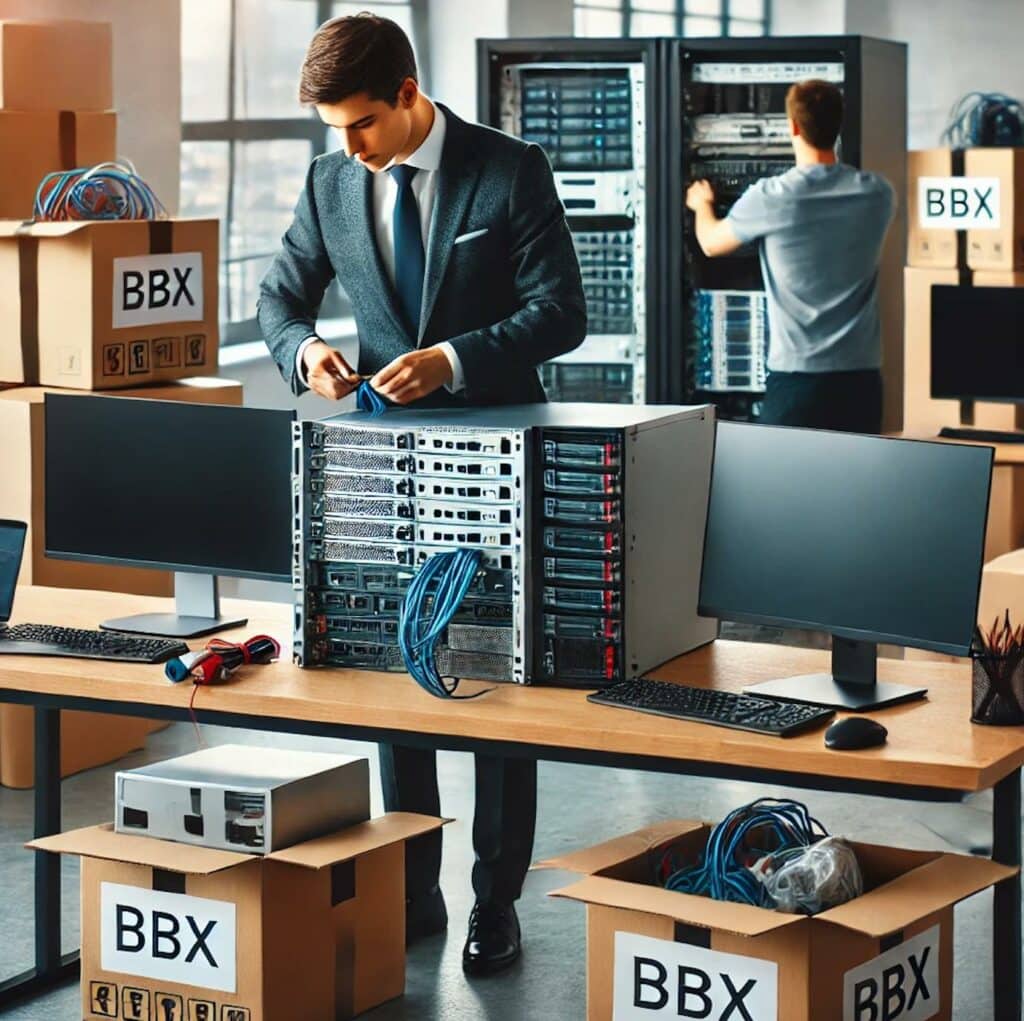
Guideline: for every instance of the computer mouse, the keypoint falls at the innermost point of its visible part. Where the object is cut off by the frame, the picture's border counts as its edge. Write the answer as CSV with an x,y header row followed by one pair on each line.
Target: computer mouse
x,y
855,732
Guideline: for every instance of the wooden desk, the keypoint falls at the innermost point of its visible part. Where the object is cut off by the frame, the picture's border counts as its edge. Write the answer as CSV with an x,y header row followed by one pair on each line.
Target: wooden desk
x,y
933,753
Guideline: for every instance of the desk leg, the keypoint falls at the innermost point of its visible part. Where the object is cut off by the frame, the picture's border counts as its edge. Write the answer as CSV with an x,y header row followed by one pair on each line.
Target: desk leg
x,y
47,822
1006,914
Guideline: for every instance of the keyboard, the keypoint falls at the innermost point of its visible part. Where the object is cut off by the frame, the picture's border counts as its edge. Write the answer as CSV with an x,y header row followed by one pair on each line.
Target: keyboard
x,y
980,435
722,708
48,640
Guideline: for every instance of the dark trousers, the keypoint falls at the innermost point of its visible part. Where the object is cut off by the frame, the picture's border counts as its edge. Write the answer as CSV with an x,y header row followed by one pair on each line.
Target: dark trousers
x,y
503,821
846,401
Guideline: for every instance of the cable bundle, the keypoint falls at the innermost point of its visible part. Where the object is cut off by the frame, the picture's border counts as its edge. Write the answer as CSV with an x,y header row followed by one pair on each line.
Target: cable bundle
x,y
985,119
368,400
106,191
220,659
432,600
724,871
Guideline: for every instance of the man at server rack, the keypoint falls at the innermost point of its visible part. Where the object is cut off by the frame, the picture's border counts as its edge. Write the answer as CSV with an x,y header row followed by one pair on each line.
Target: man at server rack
x,y
451,242
820,226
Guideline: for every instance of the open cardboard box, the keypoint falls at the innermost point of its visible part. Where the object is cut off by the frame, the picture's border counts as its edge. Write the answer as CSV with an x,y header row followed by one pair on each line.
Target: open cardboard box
x,y
654,953
315,931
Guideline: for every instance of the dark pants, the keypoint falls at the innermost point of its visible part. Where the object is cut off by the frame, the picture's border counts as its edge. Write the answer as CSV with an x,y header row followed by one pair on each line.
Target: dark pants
x,y
846,401
503,822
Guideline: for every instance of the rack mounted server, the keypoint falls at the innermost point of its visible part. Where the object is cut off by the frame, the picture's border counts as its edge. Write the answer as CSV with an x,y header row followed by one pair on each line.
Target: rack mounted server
x,y
589,519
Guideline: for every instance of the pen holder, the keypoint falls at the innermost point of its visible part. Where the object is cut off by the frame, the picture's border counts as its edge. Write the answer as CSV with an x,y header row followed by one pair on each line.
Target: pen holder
x,y
997,690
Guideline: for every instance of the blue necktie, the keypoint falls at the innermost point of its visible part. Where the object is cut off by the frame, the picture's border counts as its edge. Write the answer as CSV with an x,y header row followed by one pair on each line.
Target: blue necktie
x,y
409,258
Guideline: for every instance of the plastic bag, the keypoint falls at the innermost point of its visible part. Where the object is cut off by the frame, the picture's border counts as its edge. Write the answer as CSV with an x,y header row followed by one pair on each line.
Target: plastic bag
x,y
814,878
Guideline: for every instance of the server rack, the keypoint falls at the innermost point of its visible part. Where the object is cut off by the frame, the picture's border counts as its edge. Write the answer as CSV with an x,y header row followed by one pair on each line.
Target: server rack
x,y
593,106
715,109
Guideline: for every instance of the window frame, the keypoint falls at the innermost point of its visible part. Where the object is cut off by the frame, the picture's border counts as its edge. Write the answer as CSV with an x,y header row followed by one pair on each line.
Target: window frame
x,y
626,10
302,127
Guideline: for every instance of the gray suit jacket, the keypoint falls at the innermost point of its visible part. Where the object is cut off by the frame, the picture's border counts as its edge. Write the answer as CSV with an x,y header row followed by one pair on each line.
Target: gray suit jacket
x,y
507,299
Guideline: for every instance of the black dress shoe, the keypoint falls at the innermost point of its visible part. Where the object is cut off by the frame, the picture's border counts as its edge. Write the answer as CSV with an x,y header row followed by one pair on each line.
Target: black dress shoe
x,y
425,916
494,939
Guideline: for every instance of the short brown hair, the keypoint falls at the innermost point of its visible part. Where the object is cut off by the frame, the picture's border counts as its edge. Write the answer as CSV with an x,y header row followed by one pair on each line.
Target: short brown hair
x,y
817,108
358,53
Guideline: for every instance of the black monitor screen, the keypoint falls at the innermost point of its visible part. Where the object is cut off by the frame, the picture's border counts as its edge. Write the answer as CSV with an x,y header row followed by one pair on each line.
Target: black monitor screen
x,y
170,484
865,537
978,343
12,544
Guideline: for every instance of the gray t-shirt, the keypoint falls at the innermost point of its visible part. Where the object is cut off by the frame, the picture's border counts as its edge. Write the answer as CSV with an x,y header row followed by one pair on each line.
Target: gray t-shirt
x,y
821,229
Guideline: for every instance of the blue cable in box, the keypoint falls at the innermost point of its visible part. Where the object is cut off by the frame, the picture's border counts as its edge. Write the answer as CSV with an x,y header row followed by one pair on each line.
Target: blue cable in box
x,y
243,798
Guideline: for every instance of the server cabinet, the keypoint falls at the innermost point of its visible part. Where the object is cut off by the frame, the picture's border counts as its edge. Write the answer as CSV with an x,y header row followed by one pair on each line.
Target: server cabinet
x,y
592,106
714,109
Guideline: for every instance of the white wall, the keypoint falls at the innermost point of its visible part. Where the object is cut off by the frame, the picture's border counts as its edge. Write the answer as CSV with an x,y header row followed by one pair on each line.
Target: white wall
x,y
954,47
147,79
808,17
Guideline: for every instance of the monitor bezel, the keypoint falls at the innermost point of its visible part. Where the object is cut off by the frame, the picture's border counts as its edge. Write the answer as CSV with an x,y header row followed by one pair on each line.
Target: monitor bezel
x,y
705,609
226,571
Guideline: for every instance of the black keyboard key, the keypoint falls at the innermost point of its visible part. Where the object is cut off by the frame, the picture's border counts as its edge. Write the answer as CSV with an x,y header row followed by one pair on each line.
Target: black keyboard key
x,y
706,705
51,640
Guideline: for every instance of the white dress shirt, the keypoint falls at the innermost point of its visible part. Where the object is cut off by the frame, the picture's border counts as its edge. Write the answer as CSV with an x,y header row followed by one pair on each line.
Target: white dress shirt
x,y
427,160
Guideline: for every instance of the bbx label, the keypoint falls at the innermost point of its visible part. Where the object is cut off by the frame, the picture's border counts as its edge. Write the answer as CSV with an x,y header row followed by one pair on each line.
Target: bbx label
x,y
158,289
958,203
900,985
659,979
170,937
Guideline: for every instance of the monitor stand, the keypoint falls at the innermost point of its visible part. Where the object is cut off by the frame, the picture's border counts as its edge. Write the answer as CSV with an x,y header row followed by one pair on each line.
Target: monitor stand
x,y
852,684
197,611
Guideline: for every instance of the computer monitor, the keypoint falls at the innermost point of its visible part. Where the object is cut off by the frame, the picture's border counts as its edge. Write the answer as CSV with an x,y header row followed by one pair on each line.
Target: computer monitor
x,y
978,343
197,489
868,538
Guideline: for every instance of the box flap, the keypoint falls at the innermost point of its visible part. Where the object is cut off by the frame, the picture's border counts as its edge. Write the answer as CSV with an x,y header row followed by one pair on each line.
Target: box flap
x,y
353,841
8,228
741,919
103,842
904,900
589,860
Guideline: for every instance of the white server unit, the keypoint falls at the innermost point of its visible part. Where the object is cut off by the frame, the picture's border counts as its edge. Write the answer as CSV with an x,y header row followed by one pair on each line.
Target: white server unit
x,y
243,798
589,518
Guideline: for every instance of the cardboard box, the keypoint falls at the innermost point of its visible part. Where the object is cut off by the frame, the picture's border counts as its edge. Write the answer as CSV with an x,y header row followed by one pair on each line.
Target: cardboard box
x,y
1001,247
77,56
644,942
86,740
1002,589
116,303
315,932
37,143
928,246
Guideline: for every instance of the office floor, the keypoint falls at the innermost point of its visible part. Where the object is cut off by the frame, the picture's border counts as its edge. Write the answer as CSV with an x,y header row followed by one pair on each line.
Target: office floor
x,y
579,805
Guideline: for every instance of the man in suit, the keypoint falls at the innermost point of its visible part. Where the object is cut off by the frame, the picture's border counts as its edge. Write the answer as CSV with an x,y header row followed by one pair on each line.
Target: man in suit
x,y
452,245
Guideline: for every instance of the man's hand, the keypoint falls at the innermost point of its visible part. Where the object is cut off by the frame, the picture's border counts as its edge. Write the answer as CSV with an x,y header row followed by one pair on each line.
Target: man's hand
x,y
699,194
414,375
327,373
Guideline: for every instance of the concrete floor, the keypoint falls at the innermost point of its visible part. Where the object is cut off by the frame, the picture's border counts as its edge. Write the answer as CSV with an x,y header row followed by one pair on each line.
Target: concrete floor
x,y
579,805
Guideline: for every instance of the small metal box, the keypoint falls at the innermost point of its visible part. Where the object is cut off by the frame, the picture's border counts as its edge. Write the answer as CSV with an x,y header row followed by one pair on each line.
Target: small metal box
x,y
243,797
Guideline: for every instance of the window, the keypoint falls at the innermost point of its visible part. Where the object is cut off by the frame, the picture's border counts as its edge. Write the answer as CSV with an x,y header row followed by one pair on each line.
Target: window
x,y
672,17
246,141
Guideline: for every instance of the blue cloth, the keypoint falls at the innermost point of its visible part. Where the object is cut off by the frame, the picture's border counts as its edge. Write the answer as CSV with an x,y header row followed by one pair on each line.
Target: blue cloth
x,y
410,260
820,230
